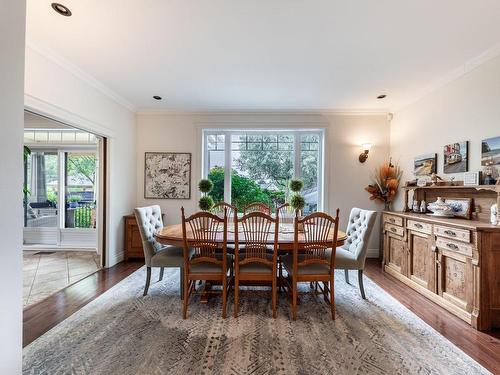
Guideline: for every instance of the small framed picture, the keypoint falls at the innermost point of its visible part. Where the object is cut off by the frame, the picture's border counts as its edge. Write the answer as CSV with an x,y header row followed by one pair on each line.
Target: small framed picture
x,y
472,178
455,156
462,207
425,165
490,151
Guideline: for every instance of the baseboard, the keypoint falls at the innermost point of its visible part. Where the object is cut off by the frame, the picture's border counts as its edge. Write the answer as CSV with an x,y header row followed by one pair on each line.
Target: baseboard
x,y
57,248
372,253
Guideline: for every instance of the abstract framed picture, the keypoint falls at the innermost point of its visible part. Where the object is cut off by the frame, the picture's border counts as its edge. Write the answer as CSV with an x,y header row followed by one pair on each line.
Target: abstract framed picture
x,y
167,175
425,165
490,151
456,157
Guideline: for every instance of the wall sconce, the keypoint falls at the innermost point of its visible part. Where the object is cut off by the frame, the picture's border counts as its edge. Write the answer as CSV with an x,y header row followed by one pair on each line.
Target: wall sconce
x,y
366,149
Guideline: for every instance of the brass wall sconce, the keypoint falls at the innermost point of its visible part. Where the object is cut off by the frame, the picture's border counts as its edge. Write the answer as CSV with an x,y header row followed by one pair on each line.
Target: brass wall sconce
x,y
366,149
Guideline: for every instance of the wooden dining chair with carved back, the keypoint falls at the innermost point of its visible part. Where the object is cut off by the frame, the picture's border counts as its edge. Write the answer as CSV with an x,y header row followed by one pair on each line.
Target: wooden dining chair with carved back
x,y
313,257
255,233
286,213
219,208
257,207
205,254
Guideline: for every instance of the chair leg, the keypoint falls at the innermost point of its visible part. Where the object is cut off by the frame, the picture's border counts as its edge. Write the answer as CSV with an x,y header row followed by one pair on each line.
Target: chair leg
x,y
346,276
161,273
224,297
186,295
360,281
148,280
181,282
236,296
332,296
294,300
274,297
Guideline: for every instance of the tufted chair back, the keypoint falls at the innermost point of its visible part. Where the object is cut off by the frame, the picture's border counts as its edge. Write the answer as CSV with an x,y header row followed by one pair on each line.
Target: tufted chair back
x,y
150,222
360,226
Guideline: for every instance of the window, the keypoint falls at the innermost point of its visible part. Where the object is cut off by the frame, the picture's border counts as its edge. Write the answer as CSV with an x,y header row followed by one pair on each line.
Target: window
x,y
248,166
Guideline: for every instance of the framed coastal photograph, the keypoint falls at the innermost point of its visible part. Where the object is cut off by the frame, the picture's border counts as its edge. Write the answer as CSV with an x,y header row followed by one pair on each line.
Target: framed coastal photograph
x,y
462,207
167,175
490,151
425,165
456,157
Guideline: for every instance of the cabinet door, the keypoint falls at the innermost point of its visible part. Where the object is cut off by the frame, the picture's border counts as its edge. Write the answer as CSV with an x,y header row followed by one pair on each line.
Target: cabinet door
x,y
421,260
455,279
396,253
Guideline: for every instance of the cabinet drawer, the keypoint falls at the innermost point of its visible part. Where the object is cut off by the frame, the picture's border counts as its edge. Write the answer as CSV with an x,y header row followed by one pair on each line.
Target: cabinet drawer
x,y
455,234
450,245
394,229
393,220
419,226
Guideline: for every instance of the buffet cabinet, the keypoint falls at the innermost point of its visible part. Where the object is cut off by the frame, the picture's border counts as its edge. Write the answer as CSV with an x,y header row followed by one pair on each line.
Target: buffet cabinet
x,y
453,262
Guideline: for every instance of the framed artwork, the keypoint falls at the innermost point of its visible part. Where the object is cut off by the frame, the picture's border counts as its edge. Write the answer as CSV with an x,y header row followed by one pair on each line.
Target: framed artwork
x,y
472,178
490,151
167,175
456,157
462,207
425,165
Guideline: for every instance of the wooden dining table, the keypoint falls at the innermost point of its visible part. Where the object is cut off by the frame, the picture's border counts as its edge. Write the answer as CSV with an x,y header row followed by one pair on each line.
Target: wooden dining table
x,y
172,235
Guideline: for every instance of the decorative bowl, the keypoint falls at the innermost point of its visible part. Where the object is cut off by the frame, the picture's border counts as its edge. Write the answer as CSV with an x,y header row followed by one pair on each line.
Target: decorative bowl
x,y
441,208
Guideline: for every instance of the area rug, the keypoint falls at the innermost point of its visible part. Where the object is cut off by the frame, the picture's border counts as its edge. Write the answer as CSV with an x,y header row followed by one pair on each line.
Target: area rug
x,y
122,332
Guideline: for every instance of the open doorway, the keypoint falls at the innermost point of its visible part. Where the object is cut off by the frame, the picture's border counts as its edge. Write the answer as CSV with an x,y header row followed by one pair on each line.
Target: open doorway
x,y
62,206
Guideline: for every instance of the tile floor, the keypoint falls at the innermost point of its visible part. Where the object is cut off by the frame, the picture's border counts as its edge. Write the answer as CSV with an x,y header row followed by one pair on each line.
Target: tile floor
x,y
45,273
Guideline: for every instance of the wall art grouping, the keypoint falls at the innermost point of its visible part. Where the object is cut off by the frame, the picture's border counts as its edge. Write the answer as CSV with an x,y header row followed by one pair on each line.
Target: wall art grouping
x,y
167,175
425,165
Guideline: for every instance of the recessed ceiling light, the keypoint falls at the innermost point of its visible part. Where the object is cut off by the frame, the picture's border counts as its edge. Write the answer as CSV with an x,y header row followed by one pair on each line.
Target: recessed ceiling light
x,y
381,96
61,9
157,97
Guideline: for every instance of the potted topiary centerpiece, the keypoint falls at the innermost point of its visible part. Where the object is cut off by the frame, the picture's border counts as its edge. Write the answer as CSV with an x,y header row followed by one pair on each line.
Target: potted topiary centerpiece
x,y
297,201
206,202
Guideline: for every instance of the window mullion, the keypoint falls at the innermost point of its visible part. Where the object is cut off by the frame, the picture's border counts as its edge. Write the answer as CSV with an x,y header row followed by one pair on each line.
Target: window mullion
x,y
296,153
227,167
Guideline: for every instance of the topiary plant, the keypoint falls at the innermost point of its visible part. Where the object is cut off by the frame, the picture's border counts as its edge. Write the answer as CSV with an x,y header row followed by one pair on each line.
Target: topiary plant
x,y
296,185
206,203
297,202
205,186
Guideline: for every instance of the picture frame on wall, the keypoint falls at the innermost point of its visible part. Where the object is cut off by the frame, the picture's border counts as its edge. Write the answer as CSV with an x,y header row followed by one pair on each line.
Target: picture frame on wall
x,y
456,157
490,151
167,175
425,165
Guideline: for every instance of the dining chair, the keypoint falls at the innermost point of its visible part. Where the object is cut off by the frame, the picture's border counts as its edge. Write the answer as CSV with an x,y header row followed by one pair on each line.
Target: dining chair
x,y
257,207
150,222
253,261
204,234
352,254
286,213
219,208
314,263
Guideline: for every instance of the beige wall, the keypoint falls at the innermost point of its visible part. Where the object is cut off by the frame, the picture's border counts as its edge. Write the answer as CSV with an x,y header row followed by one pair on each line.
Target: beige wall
x,y
12,25
53,89
345,177
467,109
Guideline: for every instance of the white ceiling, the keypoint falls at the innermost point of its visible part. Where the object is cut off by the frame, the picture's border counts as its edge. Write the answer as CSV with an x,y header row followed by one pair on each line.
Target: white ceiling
x,y
268,54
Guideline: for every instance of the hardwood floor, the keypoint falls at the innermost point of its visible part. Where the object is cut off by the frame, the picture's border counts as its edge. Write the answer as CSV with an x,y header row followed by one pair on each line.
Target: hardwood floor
x,y
42,316
484,347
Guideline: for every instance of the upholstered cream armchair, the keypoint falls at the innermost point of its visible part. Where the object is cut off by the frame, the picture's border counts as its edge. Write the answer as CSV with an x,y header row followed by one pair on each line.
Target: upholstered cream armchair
x,y
155,254
352,255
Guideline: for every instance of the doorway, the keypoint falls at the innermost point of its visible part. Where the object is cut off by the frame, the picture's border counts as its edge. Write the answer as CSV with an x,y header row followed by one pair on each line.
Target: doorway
x,y
63,205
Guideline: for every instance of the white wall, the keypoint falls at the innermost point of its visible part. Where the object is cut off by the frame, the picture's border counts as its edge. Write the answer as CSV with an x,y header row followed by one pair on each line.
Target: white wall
x,y
467,109
12,25
52,88
345,176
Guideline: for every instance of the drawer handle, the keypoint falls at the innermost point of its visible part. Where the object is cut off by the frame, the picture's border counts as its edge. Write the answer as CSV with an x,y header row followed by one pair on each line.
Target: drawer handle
x,y
450,233
452,246
418,225
393,229
392,220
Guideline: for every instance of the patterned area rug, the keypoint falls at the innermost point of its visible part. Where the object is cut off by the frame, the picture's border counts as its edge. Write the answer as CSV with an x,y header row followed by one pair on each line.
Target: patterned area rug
x,y
122,332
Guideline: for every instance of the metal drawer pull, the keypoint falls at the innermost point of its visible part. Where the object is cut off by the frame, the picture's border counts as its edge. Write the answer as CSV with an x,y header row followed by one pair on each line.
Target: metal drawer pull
x,y
392,220
393,229
418,225
450,233
452,246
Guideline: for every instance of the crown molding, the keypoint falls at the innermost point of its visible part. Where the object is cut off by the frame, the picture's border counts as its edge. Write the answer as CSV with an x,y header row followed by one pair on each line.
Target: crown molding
x,y
262,111
80,74
453,75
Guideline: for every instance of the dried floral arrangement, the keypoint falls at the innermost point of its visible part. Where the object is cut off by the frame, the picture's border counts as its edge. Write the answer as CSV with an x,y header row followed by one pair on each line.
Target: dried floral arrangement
x,y
385,183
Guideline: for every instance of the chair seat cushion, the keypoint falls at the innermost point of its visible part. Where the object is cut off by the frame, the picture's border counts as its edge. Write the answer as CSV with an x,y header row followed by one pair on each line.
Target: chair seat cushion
x,y
310,269
207,267
255,267
170,256
344,259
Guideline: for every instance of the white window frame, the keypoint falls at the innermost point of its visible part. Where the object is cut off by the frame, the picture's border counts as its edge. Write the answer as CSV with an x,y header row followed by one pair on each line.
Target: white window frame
x,y
296,133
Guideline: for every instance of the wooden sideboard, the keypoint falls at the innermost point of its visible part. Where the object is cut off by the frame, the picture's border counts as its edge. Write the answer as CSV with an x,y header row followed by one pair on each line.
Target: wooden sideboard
x,y
453,262
133,241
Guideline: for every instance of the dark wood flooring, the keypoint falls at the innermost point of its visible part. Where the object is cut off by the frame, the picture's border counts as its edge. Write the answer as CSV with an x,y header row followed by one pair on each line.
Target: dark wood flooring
x,y
484,347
